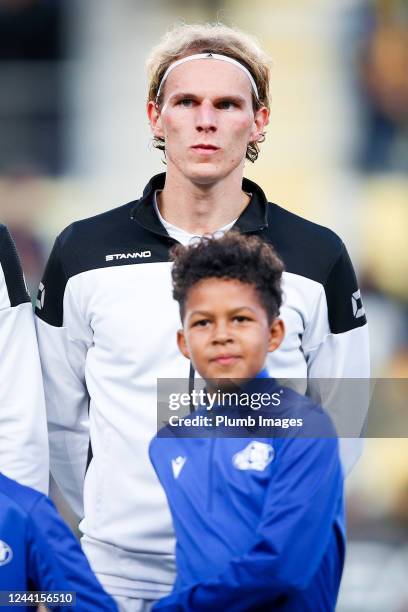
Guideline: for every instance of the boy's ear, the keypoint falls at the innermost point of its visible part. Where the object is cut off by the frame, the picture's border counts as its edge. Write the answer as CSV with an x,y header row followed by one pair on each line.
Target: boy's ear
x,y
276,334
182,344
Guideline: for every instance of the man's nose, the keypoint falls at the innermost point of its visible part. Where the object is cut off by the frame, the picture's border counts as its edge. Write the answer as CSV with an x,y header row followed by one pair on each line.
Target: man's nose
x,y
206,118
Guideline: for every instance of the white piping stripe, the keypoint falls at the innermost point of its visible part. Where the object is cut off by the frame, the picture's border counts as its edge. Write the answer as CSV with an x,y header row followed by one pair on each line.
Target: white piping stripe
x,y
215,56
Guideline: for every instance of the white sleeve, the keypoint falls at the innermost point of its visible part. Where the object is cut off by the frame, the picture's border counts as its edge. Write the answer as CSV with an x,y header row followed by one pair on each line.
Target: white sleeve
x,y
337,353
23,430
63,340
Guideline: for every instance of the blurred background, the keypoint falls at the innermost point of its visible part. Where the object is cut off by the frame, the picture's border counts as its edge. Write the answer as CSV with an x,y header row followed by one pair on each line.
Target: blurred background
x,y
75,141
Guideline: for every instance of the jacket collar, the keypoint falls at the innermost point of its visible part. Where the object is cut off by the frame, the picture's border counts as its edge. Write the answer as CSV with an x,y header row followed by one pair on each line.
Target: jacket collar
x,y
252,219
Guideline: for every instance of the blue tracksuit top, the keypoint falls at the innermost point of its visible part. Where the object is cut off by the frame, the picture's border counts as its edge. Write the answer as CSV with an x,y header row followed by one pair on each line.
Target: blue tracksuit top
x,y
39,552
259,521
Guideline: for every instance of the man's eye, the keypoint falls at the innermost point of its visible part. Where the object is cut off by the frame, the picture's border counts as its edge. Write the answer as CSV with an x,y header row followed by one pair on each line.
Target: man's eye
x,y
186,102
226,105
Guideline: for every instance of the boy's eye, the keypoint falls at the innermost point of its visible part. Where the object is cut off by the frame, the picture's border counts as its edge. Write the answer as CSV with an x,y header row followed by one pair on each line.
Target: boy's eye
x,y
201,323
241,318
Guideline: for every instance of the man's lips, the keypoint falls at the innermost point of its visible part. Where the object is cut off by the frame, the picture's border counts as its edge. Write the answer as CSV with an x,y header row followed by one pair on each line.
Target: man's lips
x,y
205,148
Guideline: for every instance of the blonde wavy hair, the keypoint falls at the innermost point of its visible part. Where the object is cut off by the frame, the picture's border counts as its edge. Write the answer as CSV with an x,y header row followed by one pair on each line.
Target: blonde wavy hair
x,y
188,39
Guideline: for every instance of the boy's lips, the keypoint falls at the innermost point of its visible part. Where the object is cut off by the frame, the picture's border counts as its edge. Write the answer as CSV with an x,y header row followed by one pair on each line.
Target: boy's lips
x,y
225,359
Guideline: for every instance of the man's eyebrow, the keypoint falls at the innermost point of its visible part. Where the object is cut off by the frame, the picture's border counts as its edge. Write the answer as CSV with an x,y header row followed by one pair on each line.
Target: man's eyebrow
x,y
181,94
237,99
231,98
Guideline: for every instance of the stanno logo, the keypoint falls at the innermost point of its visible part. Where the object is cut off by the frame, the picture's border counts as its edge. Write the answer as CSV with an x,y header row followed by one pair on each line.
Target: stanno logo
x,y
6,554
137,255
177,465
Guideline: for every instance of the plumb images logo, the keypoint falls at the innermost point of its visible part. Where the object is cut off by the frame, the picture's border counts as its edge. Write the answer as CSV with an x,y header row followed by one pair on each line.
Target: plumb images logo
x,y
358,308
6,554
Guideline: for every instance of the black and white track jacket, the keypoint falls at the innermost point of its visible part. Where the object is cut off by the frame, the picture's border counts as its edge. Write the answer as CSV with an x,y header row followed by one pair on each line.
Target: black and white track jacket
x,y
23,429
107,326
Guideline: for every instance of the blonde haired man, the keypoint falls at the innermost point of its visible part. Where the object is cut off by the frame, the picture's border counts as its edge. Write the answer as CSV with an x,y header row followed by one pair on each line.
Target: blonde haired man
x,y
107,323
219,39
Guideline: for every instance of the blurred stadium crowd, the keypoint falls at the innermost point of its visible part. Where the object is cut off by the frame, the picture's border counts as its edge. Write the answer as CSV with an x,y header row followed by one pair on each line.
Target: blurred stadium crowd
x,y
75,141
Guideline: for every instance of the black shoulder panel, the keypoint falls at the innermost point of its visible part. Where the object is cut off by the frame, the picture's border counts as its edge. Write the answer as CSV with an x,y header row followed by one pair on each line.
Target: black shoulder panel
x,y
306,248
110,239
316,252
49,304
13,273
343,296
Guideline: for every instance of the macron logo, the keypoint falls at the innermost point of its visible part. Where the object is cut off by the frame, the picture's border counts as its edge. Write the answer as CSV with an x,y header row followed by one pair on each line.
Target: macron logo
x,y
177,465
137,255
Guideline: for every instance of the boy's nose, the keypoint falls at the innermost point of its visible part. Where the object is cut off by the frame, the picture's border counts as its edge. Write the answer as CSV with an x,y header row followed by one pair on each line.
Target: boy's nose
x,y
221,334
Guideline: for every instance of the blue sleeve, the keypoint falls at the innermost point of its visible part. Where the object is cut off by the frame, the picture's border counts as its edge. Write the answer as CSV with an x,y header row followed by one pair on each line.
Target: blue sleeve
x,y
299,512
56,561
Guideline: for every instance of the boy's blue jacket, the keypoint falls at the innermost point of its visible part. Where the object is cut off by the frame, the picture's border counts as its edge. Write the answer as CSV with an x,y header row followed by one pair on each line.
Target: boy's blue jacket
x,y
259,520
38,552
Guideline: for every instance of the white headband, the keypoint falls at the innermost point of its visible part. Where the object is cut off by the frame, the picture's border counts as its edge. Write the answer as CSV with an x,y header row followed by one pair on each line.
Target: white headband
x,y
209,55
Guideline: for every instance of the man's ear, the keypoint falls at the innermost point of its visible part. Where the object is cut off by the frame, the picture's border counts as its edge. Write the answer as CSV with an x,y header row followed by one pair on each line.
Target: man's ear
x,y
153,113
182,344
261,120
276,334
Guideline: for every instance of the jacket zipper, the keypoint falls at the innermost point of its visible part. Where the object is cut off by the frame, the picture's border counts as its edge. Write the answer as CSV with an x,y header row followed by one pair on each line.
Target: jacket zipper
x,y
210,494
